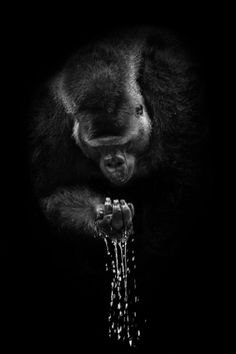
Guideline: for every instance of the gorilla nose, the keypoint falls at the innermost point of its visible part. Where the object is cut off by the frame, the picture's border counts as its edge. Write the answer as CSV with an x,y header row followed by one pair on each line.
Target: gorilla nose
x,y
114,162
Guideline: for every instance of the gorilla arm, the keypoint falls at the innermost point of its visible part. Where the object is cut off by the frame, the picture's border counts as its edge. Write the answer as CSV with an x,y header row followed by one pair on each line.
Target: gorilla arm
x,y
73,209
81,209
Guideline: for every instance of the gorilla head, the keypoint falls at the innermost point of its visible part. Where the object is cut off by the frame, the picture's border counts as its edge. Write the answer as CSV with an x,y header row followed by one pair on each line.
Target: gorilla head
x,y
111,123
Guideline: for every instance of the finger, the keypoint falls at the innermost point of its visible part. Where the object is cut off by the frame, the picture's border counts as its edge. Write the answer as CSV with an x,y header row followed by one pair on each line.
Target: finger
x,y
117,220
127,214
131,206
108,206
99,211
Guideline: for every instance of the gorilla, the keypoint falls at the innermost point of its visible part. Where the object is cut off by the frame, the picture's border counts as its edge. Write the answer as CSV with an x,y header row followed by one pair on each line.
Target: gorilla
x,y
118,145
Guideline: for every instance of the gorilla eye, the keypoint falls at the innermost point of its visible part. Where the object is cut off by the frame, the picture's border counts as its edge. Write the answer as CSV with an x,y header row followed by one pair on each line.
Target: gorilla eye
x,y
139,110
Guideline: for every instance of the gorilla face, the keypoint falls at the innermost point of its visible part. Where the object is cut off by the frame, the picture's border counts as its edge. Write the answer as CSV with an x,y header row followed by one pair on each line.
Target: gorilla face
x,y
114,137
111,123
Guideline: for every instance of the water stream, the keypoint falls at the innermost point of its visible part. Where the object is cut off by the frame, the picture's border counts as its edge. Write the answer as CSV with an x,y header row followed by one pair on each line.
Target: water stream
x,y
122,319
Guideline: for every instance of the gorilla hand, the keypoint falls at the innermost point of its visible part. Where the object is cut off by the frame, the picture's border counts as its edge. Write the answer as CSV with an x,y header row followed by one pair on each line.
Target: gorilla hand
x,y
114,219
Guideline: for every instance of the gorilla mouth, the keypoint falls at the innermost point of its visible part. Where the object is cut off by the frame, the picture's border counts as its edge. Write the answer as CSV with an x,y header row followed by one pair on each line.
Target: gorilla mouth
x,y
119,179
117,167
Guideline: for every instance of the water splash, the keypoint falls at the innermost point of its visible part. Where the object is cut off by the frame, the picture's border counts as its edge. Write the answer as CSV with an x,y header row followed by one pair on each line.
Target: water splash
x,y
122,318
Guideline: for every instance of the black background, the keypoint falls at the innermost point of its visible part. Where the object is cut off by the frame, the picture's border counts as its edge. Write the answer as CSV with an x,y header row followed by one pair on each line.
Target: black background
x,y
37,40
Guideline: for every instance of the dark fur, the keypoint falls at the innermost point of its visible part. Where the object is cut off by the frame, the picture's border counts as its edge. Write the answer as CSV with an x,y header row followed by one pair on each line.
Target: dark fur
x,y
64,177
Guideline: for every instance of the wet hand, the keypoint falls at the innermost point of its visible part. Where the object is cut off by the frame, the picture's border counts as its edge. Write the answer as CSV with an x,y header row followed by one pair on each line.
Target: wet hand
x,y
114,218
